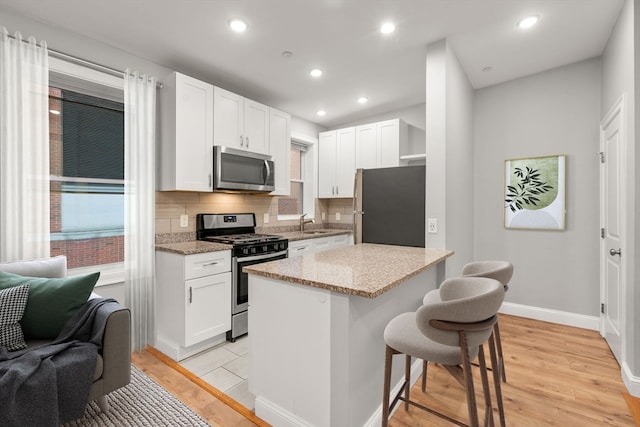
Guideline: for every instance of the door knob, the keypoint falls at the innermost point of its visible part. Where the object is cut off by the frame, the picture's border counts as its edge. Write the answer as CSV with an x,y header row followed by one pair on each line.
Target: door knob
x,y
613,252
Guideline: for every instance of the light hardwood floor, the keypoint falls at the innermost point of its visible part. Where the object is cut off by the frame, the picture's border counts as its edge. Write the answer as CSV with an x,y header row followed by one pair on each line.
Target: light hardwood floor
x,y
557,376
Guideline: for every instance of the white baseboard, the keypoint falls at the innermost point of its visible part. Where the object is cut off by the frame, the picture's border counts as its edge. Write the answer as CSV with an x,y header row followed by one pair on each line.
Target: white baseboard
x,y
276,415
630,381
553,316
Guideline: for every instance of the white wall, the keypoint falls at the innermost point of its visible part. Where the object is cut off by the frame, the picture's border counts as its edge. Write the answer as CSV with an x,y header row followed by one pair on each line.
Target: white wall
x,y
449,138
554,112
619,68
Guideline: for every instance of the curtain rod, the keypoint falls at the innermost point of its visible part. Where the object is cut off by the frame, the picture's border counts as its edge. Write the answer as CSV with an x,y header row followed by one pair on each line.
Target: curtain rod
x,y
93,65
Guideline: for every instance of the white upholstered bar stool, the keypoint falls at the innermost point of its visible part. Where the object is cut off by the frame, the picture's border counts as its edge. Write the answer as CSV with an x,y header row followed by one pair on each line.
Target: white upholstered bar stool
x,y
502,271
450,332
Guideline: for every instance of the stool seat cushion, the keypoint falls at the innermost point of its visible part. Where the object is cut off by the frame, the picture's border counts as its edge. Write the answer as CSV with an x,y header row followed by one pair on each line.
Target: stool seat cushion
x,y
402,334
432,297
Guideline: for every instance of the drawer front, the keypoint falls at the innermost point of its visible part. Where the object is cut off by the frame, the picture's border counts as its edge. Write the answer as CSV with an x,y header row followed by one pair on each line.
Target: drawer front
x,y
200,265
300,247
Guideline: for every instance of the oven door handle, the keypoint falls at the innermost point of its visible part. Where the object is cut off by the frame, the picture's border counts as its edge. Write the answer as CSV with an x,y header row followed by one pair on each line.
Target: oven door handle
x,y
259,257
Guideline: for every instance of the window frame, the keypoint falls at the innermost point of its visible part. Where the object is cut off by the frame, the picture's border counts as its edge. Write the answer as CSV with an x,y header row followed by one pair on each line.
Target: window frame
x,y
309,189
114,88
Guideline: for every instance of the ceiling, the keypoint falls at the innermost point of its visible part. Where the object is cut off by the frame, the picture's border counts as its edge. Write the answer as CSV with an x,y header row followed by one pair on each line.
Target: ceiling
x,y
342,38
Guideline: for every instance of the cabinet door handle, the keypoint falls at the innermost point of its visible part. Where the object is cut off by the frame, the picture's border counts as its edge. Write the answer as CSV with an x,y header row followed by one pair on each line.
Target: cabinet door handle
x,y
241,141
337,190
190,294
210,264
209,180
247,141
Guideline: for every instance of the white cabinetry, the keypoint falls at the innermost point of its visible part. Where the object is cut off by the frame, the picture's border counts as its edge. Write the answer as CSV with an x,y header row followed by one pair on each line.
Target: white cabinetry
x,y
240,122
186,148
378,144
280,150
319,244
193,301
336,163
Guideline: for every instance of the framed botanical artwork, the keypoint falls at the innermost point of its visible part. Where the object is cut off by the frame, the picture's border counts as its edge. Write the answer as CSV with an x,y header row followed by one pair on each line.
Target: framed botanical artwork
x,y
535,193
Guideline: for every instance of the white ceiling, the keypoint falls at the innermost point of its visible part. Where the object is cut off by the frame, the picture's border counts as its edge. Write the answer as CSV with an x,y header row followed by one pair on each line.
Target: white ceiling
x,y
339,36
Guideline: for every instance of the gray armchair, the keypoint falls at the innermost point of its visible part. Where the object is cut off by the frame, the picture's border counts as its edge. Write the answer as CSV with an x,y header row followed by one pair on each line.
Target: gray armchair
x,y
113,368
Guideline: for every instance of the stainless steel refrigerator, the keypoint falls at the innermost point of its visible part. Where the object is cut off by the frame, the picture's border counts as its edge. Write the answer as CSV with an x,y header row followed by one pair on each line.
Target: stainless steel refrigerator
x,y
389,206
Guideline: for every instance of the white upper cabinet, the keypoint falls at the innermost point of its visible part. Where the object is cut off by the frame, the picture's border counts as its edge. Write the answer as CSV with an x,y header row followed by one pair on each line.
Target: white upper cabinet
x,y
240,122
366,147
280,150
336,163
186,144
378,144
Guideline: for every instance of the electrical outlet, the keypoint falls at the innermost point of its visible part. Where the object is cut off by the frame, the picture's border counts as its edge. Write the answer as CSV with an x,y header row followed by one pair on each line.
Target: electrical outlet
x,y
337,216
265,218
184,221
432,225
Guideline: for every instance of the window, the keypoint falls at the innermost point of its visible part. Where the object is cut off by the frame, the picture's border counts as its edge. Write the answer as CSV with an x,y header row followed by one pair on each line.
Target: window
x,y
87,172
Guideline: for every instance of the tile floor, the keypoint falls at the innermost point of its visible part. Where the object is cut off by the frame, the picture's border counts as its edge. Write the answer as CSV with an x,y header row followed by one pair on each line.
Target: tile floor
x,y
226,367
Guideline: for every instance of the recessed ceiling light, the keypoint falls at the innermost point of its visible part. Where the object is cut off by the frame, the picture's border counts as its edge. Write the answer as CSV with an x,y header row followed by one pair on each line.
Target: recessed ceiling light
x,y
238,25
321,113
363,100
56,112
316,72
287,54
529,21
387,28
487,69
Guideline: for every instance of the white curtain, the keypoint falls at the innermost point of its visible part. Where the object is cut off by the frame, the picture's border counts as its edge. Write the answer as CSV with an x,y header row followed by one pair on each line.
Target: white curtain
x,y
24,148
139,176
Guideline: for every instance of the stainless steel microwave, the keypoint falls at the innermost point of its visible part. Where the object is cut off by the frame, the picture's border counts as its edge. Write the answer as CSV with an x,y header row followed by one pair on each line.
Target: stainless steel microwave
x,y
237,170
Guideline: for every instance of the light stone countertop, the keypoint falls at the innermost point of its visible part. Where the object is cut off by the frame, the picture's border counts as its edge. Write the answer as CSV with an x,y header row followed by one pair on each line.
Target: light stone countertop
x,y
366,270
192,247
198,247
311,234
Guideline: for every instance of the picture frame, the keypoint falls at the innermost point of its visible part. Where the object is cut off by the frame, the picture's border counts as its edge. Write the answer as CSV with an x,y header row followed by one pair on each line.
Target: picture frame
x,y
534,193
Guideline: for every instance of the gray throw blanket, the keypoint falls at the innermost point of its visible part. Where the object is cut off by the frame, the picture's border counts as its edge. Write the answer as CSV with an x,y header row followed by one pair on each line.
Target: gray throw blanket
x,y
49,385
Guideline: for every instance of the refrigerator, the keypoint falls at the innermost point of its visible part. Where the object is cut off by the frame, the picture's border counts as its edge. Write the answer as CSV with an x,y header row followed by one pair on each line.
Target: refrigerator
x,y
389,206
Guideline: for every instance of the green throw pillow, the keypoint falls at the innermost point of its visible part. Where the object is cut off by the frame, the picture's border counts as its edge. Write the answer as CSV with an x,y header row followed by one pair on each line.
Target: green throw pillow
x,y
51,301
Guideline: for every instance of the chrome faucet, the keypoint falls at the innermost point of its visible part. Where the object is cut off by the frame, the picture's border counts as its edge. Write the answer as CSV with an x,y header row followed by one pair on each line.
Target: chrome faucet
x,y
304,221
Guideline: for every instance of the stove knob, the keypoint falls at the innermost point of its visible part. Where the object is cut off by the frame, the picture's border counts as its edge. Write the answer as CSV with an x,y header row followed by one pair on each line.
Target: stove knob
x,y
245,251
265,248
253,250
281,245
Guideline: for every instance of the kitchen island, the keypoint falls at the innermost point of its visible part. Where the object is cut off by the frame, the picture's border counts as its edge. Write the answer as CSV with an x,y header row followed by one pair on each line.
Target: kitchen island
x,y
316,347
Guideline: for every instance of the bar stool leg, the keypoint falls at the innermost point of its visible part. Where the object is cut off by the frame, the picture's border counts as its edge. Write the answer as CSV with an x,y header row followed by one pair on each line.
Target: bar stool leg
x,y
425,364
488,409
496,379
407,381
496,331
388,355
468,380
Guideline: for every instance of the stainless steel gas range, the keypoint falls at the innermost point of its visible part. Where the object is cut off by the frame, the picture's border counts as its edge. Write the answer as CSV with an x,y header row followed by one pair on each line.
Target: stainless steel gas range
x,y
249,248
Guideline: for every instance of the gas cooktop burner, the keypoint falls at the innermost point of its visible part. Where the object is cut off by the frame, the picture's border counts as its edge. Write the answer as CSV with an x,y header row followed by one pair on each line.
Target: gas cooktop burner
x,y
243,238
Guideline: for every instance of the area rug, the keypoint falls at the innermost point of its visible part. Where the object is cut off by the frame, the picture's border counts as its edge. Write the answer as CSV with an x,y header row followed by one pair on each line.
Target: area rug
x,y
141,403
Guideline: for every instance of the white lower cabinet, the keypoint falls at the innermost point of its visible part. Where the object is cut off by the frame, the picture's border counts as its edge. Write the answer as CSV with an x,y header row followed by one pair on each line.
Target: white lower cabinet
x,y
318,244
193,301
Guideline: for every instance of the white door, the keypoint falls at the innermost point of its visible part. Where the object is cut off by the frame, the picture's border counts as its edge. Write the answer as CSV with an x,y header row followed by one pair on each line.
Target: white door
x,y
388,136
327,164
612,146
207,307
194,134
256,127
228,119
345,161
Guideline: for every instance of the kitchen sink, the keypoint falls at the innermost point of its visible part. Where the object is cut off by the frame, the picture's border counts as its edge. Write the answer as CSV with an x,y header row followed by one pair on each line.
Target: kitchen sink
x,y
315,232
